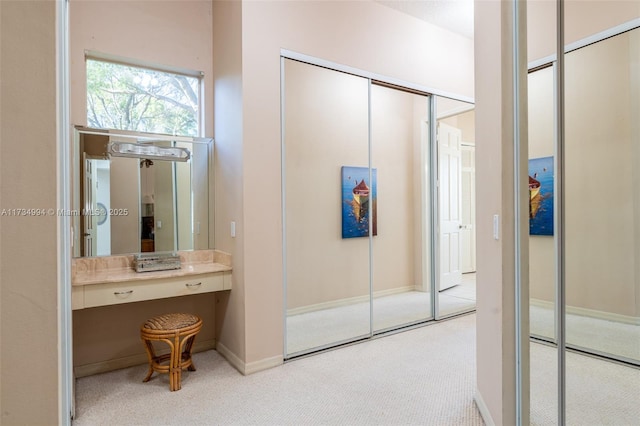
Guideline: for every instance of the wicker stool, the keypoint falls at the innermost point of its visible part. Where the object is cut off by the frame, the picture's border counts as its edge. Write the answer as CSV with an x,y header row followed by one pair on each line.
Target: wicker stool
x,y
179,331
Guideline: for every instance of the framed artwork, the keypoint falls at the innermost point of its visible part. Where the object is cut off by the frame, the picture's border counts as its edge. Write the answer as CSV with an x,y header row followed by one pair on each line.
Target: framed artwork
x,y
358,194
541,196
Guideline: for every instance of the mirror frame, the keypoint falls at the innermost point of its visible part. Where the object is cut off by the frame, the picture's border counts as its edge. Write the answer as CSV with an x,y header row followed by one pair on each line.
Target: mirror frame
x,y
204,226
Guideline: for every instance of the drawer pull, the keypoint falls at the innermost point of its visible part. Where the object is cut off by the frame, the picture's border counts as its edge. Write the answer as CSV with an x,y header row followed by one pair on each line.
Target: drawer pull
x,y
122,293
193,285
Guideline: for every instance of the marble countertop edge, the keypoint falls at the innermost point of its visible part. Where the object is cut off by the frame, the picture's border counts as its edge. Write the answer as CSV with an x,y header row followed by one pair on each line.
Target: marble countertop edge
x,y
128,274
120,268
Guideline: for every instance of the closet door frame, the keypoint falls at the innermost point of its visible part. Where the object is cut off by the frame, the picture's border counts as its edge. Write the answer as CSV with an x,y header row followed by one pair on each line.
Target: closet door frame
x,y
431,204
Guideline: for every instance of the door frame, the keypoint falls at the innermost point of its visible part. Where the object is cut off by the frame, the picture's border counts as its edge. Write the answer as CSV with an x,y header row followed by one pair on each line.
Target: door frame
x,y
66,388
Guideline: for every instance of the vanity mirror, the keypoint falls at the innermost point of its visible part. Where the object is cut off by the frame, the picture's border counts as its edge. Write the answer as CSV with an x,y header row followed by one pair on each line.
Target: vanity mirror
x,y
139,192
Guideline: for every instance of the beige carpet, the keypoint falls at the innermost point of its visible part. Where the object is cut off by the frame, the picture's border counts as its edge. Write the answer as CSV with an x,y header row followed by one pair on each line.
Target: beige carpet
x,y
599,393
609,337
424,376
343,323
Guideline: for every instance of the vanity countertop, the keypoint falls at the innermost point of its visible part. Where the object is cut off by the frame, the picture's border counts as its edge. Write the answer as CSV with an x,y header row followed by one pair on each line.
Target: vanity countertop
x,y
122,275
116,269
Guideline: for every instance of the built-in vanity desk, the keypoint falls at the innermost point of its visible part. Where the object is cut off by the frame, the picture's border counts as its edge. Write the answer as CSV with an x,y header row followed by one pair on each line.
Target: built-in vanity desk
x,y
111,280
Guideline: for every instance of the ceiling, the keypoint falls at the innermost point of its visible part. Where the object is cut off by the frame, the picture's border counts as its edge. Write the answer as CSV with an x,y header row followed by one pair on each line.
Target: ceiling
x,y
453,15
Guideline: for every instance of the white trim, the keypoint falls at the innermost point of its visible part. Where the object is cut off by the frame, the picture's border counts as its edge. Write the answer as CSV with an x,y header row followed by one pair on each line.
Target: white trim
x,y
590,313
434,209
139,63
484,410
595,38
132,360
263,364
144,137
370,207
246,368
457,111
372,76
231,357
66,397
520,233
283,199
348,301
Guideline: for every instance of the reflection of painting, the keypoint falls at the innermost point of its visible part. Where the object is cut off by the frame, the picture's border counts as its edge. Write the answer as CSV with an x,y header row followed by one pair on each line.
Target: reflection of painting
x,y
357,196
541,196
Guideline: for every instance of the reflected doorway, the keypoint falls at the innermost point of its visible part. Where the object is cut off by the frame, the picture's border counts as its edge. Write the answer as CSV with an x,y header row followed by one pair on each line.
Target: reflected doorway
x,y
457,198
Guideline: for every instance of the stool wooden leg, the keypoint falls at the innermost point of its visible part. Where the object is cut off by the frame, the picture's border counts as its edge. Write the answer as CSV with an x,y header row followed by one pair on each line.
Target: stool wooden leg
x,y
187,352
175,371
149,374
150,354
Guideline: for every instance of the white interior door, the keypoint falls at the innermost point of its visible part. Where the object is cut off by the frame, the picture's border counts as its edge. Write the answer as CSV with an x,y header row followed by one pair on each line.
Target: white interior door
x,y
468,231
449,171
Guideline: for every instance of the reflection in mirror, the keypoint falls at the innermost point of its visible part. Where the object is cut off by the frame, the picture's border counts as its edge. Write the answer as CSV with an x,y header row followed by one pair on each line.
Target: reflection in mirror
x,y
457,205
142,204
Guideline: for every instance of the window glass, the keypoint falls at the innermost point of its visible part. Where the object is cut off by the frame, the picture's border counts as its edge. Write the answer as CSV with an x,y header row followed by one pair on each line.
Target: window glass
x,y
131,98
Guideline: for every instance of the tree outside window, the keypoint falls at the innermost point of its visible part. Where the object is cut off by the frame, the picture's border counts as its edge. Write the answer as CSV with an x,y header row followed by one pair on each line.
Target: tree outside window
x,y
131,98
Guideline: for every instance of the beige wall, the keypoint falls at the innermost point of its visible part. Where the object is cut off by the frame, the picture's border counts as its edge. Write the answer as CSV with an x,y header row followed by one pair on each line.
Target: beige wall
x,y
183,203
582,19
125,229
229,177
326,128
363,35
465,122
164,206
600,165
399,143
600,213
634,70
202,195
173,33
28,245
495,315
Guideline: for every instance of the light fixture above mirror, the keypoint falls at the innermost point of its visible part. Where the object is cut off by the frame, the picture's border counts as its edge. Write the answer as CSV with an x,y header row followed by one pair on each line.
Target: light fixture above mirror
x,y
136,150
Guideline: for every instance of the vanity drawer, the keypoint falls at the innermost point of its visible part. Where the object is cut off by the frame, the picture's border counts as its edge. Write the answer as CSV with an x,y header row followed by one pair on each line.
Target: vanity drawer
x,y
135,291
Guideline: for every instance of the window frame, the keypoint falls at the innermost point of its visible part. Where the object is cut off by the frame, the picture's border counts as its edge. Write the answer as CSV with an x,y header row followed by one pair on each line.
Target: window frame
x,y
146,65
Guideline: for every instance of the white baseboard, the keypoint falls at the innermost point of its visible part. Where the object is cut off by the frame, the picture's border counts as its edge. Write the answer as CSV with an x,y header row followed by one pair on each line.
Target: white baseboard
x,y
251,367
263,364
348,301
484,410
130,361
232,358
590,313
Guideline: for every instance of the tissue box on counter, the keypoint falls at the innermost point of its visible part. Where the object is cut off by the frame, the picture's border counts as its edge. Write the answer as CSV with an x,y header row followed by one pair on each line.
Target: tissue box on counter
x,y
146,262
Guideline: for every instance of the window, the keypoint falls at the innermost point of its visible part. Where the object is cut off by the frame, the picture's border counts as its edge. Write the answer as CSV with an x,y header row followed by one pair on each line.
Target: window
x,y
128,97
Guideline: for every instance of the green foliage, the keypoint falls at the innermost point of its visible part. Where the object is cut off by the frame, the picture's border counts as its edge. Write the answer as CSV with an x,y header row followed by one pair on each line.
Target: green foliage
x,y
129,98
